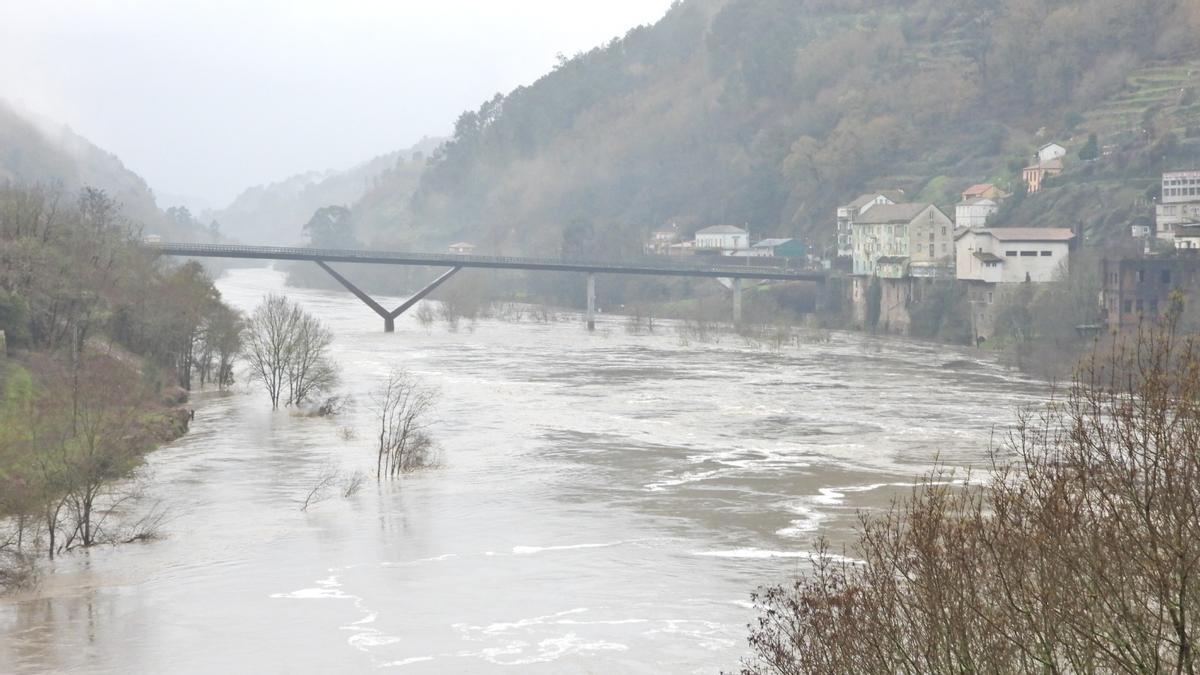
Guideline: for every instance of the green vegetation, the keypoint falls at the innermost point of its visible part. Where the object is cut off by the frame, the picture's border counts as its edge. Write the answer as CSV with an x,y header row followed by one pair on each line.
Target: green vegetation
x,y
771,112
105,340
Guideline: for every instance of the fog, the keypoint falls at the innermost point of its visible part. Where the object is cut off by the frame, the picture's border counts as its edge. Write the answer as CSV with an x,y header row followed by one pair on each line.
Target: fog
x,y
204,98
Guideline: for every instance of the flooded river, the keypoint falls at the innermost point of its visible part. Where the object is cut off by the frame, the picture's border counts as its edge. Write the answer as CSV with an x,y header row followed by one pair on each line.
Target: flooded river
x,y
606,503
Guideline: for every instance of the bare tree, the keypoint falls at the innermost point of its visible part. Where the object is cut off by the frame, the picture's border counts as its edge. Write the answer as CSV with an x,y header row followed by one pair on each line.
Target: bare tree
x,y
310,370
403,406
1080,554
287,350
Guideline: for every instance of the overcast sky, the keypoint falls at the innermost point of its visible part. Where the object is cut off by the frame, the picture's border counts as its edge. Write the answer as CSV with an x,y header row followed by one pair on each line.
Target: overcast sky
x,y
207,97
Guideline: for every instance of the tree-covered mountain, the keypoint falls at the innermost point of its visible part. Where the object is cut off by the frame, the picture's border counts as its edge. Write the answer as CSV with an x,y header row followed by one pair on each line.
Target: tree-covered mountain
x,y
38,152
771,112
276,213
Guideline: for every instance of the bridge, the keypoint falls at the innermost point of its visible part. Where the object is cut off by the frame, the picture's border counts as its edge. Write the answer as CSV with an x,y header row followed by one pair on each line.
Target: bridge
x,y
696,266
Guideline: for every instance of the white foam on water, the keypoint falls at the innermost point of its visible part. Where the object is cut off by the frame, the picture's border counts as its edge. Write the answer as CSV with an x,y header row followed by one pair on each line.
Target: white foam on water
x,y
696,477
530,550
808,522
406,662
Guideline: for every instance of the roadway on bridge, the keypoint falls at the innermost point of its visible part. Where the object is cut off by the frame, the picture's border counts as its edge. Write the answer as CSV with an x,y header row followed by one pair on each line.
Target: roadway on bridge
x,y
693,267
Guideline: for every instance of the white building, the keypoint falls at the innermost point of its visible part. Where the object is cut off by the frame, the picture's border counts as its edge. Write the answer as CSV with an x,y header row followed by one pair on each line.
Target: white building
x,y
1010,255
1050,151
846,215
724,238
462,248
888,238
1180,203
1188,236
974,212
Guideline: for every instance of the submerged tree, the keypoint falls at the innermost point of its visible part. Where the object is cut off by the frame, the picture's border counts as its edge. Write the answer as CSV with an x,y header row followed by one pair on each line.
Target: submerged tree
x,y
1081,554
288,352
403,407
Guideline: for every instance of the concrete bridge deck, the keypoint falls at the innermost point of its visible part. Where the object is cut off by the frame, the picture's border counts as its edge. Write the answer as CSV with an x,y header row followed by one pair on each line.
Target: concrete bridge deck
x,y
690,267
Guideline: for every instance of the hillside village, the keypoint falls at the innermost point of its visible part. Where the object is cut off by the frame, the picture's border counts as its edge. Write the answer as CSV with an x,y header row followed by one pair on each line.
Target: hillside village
x,y
892,252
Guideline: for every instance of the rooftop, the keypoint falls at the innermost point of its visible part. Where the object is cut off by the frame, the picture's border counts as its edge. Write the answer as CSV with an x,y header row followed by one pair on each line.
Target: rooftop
x,y
722,229
771,243
978,189
978,201
1021,233
891,213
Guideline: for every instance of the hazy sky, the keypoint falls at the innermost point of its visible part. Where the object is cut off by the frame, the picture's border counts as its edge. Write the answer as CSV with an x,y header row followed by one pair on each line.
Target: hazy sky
x,y
207,97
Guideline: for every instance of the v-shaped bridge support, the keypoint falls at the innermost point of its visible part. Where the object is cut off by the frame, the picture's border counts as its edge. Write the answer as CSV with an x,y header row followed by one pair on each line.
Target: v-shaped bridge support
x,y
389,317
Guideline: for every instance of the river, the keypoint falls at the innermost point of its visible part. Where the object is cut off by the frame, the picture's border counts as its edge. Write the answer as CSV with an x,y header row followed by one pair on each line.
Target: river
x,y
606,502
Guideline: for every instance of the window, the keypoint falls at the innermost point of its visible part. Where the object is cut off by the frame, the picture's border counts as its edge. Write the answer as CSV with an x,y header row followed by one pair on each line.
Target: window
x,y
1154,306
1166,276
1047,254
943,229
989,297
1010,254
1141,276
1139,305
931,250
1028,254
1128,306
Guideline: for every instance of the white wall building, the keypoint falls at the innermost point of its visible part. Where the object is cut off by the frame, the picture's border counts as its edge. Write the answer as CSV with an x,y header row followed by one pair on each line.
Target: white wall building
x,y
1011,255
724,238
1180,203
1050,151
846,215
974,212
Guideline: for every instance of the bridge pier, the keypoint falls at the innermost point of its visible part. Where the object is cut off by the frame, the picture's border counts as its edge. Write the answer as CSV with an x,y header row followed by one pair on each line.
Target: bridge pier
x,y
737,300
591,301
389,317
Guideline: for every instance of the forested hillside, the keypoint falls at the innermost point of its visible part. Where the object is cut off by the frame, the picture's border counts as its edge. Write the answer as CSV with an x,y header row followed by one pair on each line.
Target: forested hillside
x,y
276,213
42,153
771,112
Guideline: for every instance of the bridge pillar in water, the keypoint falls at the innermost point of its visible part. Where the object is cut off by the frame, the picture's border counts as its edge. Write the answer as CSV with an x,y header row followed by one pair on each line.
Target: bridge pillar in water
x,y
737,300
591,301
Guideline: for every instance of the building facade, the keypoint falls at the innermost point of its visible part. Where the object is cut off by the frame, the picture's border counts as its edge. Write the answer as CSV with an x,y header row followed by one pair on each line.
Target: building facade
x,y
1139,289
1179,205
1011,255
723,238
974,212
1050,152
846,215
887,238
1035,175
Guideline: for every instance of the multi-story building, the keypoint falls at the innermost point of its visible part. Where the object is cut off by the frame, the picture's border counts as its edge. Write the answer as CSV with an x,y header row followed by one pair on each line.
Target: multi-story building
x,y
1036,174
1009,255
992,261
890,237
846,215
1139,288
1180,203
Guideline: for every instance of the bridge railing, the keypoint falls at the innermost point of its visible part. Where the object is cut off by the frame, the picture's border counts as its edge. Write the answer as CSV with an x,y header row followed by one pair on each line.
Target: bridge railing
x,y
696,264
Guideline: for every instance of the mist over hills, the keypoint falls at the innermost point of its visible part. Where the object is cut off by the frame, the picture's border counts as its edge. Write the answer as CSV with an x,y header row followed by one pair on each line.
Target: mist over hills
x,y
40,152
769,113
275,213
